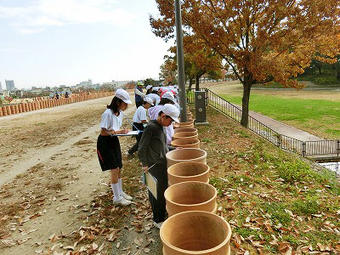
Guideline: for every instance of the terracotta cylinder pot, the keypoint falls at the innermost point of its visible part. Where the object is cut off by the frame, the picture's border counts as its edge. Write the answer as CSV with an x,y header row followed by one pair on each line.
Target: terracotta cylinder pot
x,y
4,111
195,233
17,108
184,124
13,109
184,129
8,108
186,154
1,112
184,135
188,171
190,196
20,108
186,143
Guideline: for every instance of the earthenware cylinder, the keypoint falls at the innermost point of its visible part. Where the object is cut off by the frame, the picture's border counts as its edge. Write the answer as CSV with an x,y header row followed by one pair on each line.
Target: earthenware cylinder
x,y
185,129
8,108
186,154
183,135
195,233
190,196
13,109
186,143
184,124
188,171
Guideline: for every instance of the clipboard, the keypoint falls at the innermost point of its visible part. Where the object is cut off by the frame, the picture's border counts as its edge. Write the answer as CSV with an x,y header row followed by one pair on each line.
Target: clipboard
x,y
151,183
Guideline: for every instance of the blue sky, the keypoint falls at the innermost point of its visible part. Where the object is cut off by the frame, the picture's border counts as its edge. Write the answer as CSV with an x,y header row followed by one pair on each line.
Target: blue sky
x,y
54,42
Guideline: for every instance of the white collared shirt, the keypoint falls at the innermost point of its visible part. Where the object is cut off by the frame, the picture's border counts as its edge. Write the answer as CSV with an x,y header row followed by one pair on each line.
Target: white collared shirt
x,y
110,121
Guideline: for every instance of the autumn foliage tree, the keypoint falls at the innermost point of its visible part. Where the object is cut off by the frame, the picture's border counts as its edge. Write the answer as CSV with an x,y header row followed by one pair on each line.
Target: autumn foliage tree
x,y
168,70
260,40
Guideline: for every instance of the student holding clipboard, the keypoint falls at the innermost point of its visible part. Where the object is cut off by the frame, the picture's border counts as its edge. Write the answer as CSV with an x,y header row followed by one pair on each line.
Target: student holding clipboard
x,y
152,153
108,146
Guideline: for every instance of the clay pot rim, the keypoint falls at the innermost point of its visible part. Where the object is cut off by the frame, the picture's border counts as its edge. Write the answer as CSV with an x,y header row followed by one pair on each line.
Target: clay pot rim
x,y
183,138
225,241
189,176
185,133
173,186
195,142
189,160
188,122
192,131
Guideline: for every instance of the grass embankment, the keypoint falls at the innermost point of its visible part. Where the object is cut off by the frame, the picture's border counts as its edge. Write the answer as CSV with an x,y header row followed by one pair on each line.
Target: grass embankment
x,y
274,201
319,117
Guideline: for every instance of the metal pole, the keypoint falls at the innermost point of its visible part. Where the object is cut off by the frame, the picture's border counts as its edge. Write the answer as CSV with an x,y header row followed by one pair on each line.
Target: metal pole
x,y
180,62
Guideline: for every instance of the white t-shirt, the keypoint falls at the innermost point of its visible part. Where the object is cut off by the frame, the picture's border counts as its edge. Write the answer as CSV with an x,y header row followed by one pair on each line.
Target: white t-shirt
x,y
110,121
154,98
139,115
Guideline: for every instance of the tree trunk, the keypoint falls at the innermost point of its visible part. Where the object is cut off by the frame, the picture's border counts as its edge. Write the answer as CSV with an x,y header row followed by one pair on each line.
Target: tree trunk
x,y
190,83
319,67
197,82
245,103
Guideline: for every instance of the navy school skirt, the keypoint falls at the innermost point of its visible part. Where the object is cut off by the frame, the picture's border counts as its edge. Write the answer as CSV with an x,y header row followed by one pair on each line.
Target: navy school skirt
x,y
109,152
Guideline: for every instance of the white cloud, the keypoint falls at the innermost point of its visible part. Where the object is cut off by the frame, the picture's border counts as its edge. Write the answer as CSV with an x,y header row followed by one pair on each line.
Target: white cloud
x,y
46,13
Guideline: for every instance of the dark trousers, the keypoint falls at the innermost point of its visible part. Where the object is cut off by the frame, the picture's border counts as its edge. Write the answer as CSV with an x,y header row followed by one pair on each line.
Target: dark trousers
x,y
159,171
140,126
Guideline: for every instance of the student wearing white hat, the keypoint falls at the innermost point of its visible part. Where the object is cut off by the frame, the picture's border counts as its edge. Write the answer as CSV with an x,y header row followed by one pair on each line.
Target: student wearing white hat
x,y
148,89
108,146
155,97
139,120
152,153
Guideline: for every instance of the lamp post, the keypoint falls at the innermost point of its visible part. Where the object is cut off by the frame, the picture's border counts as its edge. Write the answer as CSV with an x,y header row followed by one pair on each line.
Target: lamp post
x,y
180,62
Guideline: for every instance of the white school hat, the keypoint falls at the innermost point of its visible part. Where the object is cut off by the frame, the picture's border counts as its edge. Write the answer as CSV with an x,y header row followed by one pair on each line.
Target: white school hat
x,y
148,87
171,111
169,95
123,95
148,100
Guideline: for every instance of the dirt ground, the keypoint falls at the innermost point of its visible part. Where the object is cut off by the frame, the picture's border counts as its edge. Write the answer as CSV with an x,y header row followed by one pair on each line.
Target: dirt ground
x,y
51,187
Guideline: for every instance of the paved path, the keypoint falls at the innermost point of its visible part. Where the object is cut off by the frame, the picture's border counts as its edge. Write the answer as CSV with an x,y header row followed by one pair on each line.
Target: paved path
x,y
284,129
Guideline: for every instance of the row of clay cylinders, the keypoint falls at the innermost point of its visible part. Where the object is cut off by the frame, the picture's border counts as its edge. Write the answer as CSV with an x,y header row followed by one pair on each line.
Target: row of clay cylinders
x,y
192,226
47,103
186,135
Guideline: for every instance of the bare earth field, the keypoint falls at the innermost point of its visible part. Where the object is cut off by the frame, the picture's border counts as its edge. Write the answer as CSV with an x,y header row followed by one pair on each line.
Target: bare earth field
x,y
52,189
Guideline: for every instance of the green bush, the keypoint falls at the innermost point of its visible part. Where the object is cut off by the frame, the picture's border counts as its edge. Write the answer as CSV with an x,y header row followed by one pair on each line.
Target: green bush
x,y
325,80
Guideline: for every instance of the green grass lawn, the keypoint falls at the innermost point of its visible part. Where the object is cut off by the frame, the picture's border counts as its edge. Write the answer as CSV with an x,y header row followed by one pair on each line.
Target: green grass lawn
x,y
319,117
275,202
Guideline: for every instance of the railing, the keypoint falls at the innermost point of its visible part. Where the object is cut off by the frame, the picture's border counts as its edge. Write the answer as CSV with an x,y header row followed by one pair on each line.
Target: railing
x,y
307,148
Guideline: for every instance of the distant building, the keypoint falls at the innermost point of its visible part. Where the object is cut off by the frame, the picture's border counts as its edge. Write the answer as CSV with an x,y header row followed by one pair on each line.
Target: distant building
x,y
10,85
0,87
87,83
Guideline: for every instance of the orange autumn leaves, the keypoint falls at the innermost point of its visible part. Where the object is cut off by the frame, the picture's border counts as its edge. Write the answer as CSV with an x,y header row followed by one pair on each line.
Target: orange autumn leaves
x,y
260,40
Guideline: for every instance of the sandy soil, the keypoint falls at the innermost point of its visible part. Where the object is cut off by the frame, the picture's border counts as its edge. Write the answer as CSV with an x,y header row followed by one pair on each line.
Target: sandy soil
x,y
50,176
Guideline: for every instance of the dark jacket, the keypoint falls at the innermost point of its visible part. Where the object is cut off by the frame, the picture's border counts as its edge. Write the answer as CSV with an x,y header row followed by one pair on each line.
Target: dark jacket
x,y
152,146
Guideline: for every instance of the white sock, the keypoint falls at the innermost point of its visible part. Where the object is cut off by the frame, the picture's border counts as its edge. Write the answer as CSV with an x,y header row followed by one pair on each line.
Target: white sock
x,y
120,182
115,190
